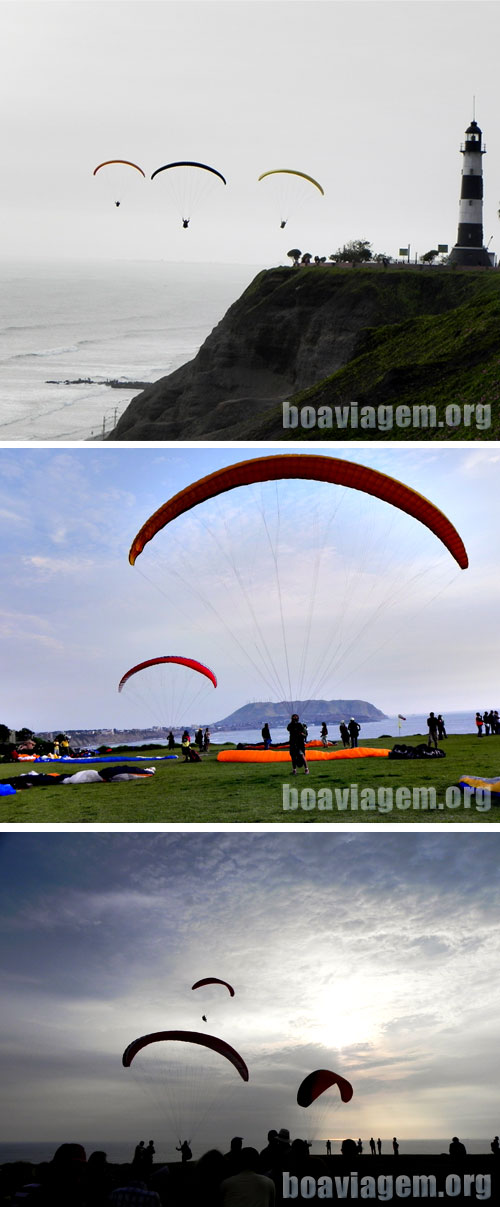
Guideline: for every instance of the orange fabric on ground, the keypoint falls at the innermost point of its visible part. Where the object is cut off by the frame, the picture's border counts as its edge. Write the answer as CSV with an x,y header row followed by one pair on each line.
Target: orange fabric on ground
x,y
283,756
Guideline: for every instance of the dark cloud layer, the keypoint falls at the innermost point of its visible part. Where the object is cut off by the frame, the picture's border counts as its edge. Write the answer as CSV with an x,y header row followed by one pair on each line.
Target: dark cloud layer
x,y
374,954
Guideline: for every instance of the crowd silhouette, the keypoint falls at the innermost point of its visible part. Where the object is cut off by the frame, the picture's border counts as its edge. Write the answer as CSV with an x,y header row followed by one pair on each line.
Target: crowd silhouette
x,y
241,1177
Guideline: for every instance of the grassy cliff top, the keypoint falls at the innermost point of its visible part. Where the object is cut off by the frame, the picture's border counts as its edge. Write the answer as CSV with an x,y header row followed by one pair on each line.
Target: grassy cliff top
x,y
433,340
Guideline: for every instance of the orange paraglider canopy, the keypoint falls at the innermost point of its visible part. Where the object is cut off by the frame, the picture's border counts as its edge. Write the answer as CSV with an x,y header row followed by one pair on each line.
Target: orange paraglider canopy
x,y
310,467
283,756
128,163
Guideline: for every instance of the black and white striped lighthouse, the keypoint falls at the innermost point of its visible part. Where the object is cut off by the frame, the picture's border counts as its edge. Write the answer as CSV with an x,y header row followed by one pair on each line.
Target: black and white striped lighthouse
x,y
468,250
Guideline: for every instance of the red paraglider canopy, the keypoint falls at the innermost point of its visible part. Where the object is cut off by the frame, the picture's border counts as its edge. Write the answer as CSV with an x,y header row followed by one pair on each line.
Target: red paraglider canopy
x,y
314,467
190,662
319,1081
190,1037
213,980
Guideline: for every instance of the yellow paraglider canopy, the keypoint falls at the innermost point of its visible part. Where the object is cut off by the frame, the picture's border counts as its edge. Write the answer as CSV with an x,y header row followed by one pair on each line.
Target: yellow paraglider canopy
x,y
292,172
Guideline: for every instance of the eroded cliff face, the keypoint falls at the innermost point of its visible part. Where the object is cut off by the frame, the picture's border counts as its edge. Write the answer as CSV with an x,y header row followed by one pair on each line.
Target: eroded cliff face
x,y
290,329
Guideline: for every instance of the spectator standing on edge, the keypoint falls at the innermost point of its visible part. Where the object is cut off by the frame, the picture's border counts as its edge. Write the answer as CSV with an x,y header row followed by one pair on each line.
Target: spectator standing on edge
x,y
432,725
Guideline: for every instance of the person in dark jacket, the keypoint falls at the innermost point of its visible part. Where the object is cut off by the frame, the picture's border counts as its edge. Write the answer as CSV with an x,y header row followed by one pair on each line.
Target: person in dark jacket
x,y
298,735
432,725
266,735
354,728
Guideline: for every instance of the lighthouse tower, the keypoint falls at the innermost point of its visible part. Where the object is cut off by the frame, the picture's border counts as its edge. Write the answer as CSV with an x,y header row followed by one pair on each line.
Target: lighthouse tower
x,y
468,250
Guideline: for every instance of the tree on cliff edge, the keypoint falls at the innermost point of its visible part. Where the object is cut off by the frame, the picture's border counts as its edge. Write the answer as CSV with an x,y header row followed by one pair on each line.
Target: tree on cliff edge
x,y
295,255
358,251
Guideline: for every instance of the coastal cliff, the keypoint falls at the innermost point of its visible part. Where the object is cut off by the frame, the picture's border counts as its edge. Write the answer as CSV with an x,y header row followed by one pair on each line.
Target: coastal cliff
x,y
370,334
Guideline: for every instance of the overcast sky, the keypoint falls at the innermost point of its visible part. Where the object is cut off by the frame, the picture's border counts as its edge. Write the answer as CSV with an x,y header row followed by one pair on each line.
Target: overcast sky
x,y
372,605
374,956
372,99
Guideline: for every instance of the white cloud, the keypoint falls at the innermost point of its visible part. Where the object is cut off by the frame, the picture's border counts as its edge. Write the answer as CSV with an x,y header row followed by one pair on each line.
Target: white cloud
x,y
60,566
379,959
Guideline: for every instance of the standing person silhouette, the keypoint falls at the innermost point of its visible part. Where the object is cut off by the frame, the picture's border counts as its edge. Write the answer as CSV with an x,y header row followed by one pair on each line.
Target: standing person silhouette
x,y
353,728
441,728
432,725
298,734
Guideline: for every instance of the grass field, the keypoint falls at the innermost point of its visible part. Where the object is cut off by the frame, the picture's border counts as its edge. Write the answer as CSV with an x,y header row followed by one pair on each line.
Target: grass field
x,y
212,792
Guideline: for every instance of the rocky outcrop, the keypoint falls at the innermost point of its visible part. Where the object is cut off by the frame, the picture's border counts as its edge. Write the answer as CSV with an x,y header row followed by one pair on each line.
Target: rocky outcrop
x,y
251,716
289,330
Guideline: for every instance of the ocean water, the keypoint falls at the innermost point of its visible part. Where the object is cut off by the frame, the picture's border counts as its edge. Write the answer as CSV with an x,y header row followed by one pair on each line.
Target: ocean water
x,y
121,1151
127,321
416,723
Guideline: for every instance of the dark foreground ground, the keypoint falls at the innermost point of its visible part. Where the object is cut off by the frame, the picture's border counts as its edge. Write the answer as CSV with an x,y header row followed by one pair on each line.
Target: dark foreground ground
x,y
383,1179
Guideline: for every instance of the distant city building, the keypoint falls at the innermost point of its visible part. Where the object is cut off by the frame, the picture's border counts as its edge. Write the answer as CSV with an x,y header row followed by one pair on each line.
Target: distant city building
x,y
468,251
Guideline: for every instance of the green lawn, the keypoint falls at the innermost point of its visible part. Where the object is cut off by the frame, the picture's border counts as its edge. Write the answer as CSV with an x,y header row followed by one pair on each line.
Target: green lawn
x,y
212,792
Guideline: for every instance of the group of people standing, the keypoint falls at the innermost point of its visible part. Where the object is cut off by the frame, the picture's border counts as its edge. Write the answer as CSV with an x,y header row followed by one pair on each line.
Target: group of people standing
x,y
375,1146
349,733
202,740
298,737
437,729
61,748
143,1157
490,720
